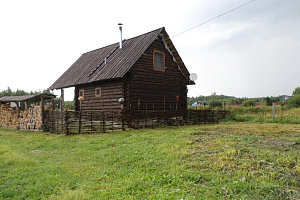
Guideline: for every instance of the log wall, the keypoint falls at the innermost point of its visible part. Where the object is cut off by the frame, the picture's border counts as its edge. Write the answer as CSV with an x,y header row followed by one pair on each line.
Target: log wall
x,y
111,92
148,87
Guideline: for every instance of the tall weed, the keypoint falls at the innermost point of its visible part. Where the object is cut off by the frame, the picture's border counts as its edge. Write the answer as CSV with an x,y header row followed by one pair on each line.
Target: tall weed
x,y
264,114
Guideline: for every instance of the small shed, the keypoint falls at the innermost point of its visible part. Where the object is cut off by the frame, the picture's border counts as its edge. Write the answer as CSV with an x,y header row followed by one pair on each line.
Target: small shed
x,y
25,112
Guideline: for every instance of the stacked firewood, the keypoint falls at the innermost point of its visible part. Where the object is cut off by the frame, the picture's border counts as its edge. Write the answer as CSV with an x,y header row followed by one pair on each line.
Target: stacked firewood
x,y
31,119
9,118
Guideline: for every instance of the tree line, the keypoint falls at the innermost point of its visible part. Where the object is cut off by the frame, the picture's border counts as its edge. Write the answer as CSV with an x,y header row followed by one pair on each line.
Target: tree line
x,y
215,100
9,92
231,100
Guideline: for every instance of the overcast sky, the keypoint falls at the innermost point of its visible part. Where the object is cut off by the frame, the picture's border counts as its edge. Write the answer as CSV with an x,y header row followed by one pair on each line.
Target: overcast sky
x,y
250,52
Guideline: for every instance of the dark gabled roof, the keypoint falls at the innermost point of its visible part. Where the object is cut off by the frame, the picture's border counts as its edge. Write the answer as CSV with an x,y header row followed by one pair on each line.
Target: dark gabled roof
x,y
111,62
7,99
16,98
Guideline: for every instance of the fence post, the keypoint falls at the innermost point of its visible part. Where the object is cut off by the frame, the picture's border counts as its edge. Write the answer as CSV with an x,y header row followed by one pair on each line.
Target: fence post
x,y
67,123
112,119
91,121
152,121
146,115
56,122
138,121
273,105
103,117
79,127
123,123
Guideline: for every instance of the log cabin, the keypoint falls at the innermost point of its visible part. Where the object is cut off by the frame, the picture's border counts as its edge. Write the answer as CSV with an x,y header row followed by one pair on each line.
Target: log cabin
x,y
144,72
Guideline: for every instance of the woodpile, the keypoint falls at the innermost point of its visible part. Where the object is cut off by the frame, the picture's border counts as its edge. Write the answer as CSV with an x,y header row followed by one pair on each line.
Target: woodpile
x,y
30,119
9,118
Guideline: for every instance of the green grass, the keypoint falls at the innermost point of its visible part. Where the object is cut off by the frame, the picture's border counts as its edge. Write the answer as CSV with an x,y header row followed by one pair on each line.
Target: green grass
x,y
264,114
224,161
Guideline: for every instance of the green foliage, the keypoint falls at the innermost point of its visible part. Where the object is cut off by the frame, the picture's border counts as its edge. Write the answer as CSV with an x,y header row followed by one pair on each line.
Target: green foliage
x,y
9,92
210,98
224,161
296,91
69,105
264,114
216,104
6,92
232,101
248,103
294,102
267,101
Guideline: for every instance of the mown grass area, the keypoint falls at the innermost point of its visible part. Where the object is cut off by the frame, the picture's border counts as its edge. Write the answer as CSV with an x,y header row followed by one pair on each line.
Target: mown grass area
x,y
221,161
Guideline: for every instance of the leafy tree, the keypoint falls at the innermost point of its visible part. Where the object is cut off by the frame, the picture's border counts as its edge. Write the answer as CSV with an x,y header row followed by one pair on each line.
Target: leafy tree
x,y
69,105
216,104
248,103
234,101
9,92
6,92
294,101
267,101
20,93
296,91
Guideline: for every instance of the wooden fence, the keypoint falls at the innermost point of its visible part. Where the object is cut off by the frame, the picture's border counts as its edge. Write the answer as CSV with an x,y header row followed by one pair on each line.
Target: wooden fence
x,y
72,122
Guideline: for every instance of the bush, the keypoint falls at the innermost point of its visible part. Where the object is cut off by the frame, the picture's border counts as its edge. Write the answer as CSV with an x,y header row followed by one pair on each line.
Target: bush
x,y
267,101
216,104
69,105
296,91
248,103
293,102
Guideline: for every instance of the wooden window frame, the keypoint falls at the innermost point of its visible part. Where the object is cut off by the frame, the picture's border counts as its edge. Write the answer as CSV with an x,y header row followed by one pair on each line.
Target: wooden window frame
x,y
98,95
164,63
81,90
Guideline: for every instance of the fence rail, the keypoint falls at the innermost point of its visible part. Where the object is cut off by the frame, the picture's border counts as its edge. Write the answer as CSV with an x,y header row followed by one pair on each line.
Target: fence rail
x,y
73,122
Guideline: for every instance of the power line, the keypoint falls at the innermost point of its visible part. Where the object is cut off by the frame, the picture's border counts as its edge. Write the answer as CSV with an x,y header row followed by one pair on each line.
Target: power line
x,y
214,18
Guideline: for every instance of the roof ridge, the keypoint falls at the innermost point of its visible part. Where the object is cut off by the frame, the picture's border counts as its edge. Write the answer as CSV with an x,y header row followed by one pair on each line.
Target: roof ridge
x,y
101,48
162,28
116,43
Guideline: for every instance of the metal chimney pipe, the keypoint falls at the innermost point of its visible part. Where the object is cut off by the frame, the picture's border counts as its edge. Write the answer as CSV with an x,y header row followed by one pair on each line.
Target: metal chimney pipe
x,y
120,28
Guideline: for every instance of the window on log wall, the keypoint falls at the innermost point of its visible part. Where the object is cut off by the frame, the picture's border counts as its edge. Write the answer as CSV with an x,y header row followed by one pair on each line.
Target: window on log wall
x,y
81,93
98,92
158,60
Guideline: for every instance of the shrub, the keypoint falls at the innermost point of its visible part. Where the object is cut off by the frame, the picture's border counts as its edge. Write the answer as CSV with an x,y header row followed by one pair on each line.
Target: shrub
x,y
216,104
248,103
296,91
294,102
267,101
69,105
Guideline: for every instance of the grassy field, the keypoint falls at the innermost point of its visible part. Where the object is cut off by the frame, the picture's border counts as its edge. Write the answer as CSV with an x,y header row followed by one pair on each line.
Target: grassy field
x,y
264,114
221,161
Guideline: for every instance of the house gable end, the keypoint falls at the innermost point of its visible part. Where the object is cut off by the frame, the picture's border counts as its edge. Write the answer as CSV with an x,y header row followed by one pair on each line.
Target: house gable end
x,y
156,88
